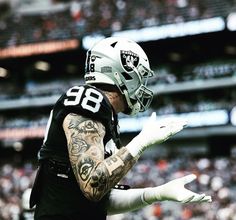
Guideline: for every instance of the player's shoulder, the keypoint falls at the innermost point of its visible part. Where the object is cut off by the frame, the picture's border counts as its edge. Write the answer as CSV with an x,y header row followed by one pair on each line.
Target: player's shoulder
x,y
84,95
85,100
80,89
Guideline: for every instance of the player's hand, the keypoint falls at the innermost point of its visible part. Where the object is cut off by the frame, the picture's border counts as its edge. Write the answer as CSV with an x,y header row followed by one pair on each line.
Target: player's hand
x,y
175,191
155,132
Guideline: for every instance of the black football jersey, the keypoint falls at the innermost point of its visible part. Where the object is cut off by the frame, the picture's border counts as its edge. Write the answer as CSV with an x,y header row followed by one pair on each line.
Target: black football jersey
x,y
83,100
62,196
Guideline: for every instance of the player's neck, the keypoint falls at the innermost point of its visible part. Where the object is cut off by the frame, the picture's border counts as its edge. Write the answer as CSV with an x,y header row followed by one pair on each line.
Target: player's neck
x,y
116,100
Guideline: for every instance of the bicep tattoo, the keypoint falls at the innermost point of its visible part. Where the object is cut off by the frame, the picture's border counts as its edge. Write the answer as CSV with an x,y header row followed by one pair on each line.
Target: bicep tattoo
x,y
84,138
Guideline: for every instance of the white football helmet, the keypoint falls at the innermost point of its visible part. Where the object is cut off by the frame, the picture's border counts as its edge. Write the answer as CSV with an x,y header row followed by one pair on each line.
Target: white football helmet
x,y
123,63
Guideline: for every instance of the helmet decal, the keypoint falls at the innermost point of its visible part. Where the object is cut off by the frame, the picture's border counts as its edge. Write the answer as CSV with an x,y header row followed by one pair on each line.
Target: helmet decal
x,y
129,60
114,44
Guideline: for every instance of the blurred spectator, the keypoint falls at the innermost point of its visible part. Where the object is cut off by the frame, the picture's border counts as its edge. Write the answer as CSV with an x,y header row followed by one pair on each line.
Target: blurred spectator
x,y
26,212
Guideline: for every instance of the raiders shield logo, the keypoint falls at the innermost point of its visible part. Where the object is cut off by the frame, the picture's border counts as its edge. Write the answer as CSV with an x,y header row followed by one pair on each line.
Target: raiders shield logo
x,y
129,60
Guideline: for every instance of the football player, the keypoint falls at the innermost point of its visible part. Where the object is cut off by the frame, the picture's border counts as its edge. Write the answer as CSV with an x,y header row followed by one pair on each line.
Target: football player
x,y
82,159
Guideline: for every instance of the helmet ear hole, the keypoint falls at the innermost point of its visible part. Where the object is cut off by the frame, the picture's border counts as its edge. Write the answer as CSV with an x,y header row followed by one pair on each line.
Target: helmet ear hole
x,y
126,76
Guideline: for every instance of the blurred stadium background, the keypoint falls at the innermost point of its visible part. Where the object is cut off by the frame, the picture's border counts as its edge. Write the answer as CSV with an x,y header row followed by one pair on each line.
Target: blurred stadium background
x,y
192,48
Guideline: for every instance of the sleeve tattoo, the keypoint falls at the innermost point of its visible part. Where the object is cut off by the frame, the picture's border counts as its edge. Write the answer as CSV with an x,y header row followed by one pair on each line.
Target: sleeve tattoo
x,y
95,175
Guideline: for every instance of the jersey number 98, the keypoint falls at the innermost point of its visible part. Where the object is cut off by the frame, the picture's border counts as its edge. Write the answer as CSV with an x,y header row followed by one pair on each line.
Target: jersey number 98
x,y
90,99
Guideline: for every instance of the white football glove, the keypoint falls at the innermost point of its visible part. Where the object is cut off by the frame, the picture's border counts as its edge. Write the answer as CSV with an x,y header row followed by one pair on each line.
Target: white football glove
x,y
154,132
175,191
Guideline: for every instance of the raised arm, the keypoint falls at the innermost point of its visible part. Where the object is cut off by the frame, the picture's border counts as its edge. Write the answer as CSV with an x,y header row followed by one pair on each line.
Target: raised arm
x,y
95,175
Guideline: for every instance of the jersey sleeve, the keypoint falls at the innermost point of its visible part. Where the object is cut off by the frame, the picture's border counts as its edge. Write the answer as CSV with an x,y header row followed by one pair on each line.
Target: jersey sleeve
x,y
86,101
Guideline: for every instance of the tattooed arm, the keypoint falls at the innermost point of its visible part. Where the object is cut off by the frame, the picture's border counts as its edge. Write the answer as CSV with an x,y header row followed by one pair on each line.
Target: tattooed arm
x,y
95,175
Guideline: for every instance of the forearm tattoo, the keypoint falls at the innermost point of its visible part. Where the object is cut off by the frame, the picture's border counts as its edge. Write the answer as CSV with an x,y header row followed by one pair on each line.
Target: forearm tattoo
x,y
95,175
